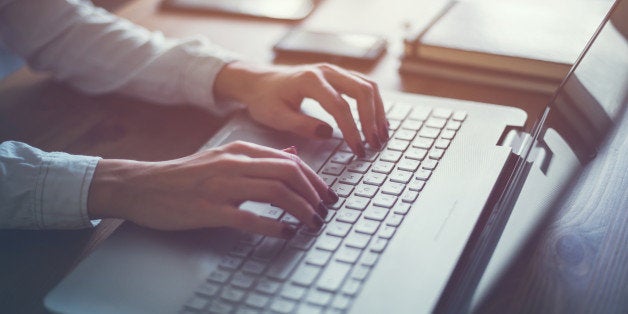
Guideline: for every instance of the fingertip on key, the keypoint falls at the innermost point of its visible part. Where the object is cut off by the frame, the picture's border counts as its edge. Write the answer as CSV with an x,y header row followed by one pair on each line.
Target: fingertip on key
x,y
288,231
378,142
361,152
318,221
333,197
322,210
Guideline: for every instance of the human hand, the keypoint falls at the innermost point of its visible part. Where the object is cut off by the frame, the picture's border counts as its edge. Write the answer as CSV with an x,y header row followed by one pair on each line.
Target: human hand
x,y
205,190
273,96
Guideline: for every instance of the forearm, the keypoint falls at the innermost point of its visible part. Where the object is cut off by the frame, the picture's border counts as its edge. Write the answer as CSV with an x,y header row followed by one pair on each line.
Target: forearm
x,y
98,52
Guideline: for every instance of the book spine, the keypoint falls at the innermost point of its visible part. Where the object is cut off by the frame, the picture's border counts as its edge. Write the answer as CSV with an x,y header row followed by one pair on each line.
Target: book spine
x,y
478,76
493,62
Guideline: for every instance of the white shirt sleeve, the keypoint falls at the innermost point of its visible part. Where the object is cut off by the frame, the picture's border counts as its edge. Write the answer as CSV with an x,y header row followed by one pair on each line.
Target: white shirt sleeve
x,y
42,190
96,52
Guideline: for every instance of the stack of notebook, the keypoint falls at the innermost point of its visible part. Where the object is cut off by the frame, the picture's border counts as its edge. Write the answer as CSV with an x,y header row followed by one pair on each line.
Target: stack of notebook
x,y
520,45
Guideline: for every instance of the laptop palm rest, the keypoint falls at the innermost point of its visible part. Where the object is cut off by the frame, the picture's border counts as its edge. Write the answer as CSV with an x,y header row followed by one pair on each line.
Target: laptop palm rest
x,y
157,271
139,270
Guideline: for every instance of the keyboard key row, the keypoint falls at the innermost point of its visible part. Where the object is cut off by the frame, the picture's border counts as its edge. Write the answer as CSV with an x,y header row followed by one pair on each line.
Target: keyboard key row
x,y
372,204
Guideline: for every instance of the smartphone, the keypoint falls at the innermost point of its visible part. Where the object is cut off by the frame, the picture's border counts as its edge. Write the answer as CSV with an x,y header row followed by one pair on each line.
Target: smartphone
x,y
327,46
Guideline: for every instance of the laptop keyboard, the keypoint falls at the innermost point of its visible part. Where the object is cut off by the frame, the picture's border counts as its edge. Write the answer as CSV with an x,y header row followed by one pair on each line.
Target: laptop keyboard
x,y
322,271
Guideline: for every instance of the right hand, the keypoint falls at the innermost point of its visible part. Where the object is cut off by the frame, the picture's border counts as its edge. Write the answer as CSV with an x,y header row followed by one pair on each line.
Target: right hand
x,y
205,190
273,96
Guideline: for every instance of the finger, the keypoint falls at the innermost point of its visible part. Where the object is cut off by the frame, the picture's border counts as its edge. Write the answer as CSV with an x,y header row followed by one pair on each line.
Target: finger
x,y
247,221
289,173
317,88
257,151
276,193
272,164
327,194
362,91
380,111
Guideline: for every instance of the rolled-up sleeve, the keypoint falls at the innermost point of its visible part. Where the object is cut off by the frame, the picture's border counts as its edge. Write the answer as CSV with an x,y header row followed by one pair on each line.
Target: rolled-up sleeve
x,y
98,52
43,190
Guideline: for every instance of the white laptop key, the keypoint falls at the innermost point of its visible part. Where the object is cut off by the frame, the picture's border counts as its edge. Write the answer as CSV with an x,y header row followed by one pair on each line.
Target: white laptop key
x,y
351,287
319,297
318,257
305,275
220,307
293,292
348,215
257,300
333,276
411,125
366,226
283,265
242,280
232,294
268,248
254,267
420,113
384,200
374,178
393,188
283,306
328,243
376,213
357,240
357,202
358,166
383,167
365,190
399,111
267,286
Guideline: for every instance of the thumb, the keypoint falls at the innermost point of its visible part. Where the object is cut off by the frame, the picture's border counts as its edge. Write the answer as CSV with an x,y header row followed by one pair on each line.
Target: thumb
x,y
304,125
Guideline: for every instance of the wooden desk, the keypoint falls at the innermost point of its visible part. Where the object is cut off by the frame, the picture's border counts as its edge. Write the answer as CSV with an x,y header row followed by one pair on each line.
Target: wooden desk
x,y
577,263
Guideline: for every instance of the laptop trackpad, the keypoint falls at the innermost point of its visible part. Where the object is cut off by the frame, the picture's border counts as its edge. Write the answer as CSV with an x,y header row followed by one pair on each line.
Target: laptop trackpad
x,y
313,152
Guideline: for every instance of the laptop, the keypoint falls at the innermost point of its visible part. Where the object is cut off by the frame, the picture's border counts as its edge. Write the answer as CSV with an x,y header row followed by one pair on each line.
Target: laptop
x,y
413,231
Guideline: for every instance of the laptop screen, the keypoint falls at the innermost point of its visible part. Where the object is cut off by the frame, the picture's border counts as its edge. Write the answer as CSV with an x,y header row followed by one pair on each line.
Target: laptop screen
x,y
593,96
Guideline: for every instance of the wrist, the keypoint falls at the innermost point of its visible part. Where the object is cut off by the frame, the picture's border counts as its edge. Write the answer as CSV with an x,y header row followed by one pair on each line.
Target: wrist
x,y
237,80
107,188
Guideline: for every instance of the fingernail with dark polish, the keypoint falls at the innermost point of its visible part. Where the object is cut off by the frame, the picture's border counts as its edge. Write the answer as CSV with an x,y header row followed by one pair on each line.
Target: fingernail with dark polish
x,y
324,131
383,132
333,196
322,210
361,152
318,221
288,231
378,142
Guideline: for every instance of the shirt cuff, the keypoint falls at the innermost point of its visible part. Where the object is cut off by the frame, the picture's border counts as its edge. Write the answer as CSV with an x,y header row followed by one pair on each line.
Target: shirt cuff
x,y
200,74
62,187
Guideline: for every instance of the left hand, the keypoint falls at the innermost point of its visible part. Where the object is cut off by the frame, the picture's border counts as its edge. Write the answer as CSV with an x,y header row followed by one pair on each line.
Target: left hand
x,y
273,96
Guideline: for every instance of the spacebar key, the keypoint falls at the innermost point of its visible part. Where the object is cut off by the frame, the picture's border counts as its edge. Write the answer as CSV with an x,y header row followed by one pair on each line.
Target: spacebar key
x,y
333,276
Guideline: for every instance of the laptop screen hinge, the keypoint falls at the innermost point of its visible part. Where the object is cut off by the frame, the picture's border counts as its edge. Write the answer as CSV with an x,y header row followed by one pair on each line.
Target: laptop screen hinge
x,y
520,141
